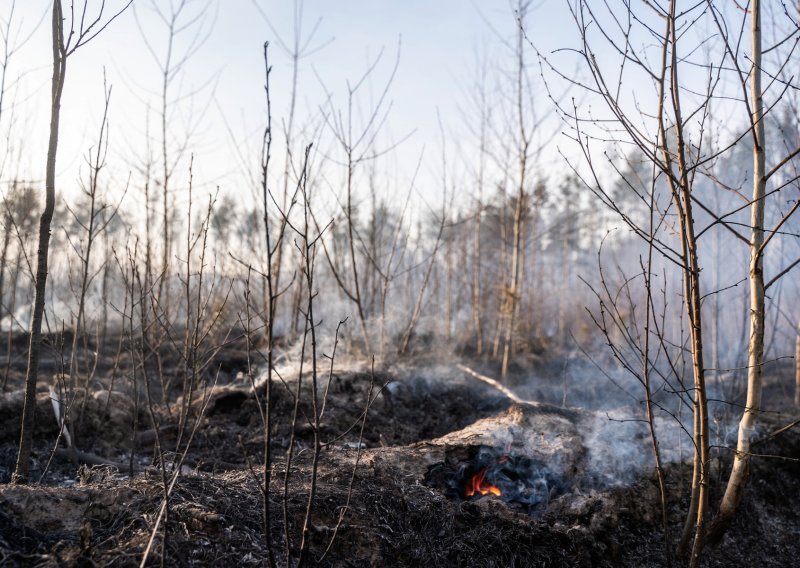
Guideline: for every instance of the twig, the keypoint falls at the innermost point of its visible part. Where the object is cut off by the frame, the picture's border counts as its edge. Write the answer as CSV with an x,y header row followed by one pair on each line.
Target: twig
x,y
355,467
777,432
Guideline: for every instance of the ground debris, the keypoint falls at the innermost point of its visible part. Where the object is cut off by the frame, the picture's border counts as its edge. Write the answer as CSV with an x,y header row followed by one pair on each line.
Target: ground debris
x,y
399,513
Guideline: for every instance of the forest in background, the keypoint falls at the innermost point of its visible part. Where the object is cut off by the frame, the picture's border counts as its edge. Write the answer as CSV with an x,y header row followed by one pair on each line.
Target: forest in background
x,y
634,255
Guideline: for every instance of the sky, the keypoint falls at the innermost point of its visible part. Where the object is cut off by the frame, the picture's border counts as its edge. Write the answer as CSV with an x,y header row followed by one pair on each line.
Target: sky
x,y
217,103
218,97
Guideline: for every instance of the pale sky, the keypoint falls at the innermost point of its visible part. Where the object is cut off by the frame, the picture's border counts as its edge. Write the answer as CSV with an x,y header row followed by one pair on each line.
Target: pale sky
x,y
438,45
219,94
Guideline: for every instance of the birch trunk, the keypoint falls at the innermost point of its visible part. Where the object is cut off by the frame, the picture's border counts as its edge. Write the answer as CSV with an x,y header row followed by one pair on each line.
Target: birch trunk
x,y
755,349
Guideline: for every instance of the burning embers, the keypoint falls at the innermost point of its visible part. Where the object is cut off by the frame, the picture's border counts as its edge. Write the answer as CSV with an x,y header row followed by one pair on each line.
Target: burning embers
x,y
496,473
478,485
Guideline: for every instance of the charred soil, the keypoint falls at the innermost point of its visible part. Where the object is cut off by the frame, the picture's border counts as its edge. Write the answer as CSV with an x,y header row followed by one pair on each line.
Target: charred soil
x,y
386,497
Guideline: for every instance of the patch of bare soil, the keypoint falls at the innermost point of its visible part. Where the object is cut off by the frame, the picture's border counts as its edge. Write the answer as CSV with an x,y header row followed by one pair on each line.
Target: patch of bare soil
x,y
393,502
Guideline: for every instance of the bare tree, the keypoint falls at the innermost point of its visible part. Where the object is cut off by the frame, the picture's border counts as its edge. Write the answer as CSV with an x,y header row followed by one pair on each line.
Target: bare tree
x,y
182,18
512,293
298,46
92,221
20,208
64,45
441,218
358,144
759,239
13,37
484,117
673,149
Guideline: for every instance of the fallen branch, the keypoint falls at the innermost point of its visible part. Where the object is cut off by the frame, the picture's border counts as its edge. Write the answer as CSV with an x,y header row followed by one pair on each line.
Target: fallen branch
x,y
89,458
777,432
503,389
569,413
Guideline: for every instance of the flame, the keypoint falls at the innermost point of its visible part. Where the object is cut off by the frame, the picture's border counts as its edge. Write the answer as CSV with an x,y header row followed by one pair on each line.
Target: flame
x,y
478,484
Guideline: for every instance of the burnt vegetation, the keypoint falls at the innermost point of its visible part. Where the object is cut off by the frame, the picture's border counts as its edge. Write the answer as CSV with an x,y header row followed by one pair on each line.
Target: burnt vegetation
x,y
533,357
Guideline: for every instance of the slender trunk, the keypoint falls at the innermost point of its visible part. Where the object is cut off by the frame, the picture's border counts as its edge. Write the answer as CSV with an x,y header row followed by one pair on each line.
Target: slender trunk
x,y
276,256
448,301
79,332
351,241
101,343
646,363
409,331
167,72
715,307
694,499
477,299
513,294
680,188
297,302
3,265
271,286
521,279
12,305
503,300
28,412
383,294
755,350
476,283
308,247
85,277
701,436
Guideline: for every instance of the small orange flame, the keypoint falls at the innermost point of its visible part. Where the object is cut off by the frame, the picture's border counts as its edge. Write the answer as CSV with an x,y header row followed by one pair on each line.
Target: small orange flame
x,y
478,484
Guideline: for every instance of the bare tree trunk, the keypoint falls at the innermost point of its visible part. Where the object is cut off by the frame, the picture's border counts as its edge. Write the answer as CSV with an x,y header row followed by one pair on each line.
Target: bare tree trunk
x,y
448,300
309,256
92,228
167,74
12,304
477,294
4,263
409,331
701,436
28,413
351,242
476,282
647,362
503,301
755,349
680,188
271,282
513,295
513,292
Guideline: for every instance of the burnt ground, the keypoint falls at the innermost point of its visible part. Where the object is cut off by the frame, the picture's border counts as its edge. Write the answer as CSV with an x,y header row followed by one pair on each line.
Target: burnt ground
x,y
396,492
